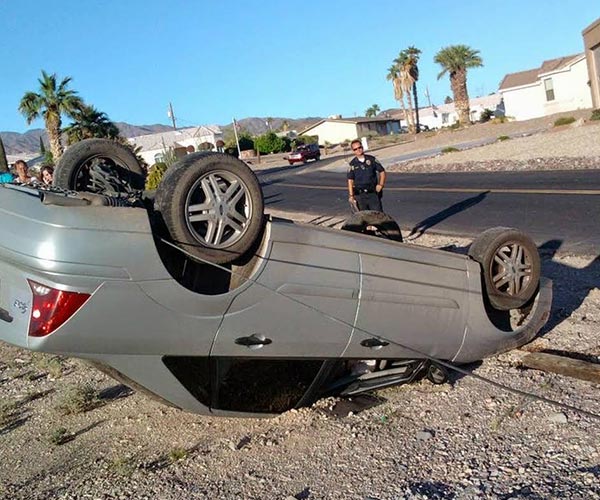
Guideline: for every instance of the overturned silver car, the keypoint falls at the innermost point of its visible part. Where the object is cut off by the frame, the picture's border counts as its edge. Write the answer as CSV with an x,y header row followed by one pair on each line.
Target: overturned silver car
x,y
199,298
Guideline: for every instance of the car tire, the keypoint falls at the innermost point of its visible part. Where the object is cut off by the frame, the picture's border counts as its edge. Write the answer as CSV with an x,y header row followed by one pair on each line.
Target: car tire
x,y
375,224
212,206
100,166
511,267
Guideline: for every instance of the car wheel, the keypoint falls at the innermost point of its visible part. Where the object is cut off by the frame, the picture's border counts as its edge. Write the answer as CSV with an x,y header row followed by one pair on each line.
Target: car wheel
x,y
375,224
318,157
511,266
212,205
100,166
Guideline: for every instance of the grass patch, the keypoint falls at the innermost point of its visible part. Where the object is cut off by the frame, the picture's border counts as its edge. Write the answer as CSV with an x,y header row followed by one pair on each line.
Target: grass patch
x,y
503,138
7,412
177,454
123,466
78,399
565,120
59,436
52,365
450,149
595,114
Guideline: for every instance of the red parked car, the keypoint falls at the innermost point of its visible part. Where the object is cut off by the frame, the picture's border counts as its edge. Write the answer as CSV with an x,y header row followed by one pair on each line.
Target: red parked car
x,y
305,153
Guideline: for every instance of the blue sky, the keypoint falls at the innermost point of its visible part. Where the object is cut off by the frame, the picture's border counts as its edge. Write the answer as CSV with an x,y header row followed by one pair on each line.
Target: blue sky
x,y
218,60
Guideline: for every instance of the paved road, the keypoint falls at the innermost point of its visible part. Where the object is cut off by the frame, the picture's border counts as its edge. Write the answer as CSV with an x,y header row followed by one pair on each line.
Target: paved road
x,y
549,205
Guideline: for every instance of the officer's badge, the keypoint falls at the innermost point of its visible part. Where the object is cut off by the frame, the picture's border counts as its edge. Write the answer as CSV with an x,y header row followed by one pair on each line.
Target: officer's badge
x,y
368,162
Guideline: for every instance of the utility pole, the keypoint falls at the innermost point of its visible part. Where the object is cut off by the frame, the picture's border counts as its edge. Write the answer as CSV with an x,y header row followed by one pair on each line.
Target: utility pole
x,y
427,95
237,141
171,115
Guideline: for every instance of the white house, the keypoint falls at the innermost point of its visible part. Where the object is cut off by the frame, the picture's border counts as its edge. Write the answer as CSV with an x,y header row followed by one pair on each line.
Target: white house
x,y
445,115
337,129
557,85
181,141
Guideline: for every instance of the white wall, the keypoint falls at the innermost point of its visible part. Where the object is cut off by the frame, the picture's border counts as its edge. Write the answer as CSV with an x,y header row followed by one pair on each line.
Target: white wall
x,y
334,132
524,103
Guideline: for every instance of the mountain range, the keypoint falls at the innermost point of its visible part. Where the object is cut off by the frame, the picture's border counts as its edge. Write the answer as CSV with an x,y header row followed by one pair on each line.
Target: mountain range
x,y
29,142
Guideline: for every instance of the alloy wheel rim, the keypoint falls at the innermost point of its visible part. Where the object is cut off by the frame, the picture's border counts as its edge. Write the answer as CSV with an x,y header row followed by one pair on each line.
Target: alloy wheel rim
x,y
511,269
218,209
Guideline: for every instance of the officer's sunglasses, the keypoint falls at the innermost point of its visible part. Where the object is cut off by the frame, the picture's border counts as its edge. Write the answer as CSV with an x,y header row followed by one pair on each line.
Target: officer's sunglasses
x,y
357,148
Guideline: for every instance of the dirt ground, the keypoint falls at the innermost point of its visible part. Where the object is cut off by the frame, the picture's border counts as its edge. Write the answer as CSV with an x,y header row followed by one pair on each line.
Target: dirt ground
x,y
67,431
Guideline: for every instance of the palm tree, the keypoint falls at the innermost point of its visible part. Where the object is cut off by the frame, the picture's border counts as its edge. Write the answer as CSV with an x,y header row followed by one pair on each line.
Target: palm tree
x,y
89,122
406,81
373,110
412,60
53,100
394,76
455,60
3,162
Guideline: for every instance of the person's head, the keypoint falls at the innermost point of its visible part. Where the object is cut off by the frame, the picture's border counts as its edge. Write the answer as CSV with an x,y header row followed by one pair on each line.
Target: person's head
x,y
357,147
21,169
47,173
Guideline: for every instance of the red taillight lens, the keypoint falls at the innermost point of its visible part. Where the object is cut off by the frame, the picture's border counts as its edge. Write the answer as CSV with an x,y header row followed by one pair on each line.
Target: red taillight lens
x,y
51,308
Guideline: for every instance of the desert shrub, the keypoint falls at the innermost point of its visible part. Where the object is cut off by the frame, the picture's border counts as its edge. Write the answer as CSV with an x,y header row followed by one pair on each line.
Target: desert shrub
x,y
59,436
503,138
500,119
177,454
565,120
595,114
307,139
486,115
454,126
78,399
157,172
450,149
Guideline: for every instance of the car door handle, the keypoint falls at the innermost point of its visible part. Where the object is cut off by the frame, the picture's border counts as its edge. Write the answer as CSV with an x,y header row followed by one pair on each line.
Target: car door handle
x,y
374,343
253,341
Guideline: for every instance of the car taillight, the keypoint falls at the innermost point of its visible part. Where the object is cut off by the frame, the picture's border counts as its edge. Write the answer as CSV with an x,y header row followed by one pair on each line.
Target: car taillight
x,y
51,308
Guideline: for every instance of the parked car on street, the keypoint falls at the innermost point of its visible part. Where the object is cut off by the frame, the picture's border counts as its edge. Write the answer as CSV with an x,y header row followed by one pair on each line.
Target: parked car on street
x,y
200,299
304,153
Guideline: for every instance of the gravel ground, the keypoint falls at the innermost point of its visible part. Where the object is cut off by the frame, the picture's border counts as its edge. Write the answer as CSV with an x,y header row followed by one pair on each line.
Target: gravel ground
x,y
462,440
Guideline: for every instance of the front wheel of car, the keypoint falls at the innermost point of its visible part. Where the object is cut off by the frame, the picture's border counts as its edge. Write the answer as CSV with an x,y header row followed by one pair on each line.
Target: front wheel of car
x,y
212,206
511,267
100,166
375,224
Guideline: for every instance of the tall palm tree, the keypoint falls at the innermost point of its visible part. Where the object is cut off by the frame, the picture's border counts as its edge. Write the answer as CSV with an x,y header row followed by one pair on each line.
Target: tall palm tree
x,y
412,60
394,76
455,60
88,122
406,81
3,161
52,101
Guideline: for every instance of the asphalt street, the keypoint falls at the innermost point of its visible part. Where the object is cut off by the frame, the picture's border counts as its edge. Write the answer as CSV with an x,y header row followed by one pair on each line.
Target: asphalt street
x,y
562,207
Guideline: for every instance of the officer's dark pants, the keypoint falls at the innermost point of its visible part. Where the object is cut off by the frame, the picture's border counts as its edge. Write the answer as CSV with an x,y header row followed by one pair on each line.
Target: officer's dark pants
x,y
369,201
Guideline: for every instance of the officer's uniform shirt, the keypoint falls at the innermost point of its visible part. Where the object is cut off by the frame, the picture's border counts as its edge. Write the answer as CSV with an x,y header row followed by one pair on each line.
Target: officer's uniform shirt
x,y
364,173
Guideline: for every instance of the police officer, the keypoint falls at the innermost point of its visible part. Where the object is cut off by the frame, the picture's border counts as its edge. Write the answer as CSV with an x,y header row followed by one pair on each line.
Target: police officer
x,y
366,178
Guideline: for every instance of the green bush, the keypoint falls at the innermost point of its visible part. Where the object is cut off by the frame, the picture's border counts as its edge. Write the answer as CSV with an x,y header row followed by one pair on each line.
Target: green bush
x,y
595,114
503,138
565,120
269,143
157,172
450,149
78,399
486,115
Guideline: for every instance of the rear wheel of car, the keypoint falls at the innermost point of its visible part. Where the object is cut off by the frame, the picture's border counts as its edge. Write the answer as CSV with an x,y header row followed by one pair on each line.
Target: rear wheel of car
x,y
375,224
100,166
212,205
510,264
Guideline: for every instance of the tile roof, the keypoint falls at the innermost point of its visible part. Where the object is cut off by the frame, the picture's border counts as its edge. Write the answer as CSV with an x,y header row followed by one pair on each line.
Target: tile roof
x,y
531,76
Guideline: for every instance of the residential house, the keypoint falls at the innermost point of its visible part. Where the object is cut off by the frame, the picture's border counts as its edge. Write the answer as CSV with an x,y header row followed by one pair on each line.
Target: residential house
x,y
445,115
591,41
181,141
336,129
558,85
